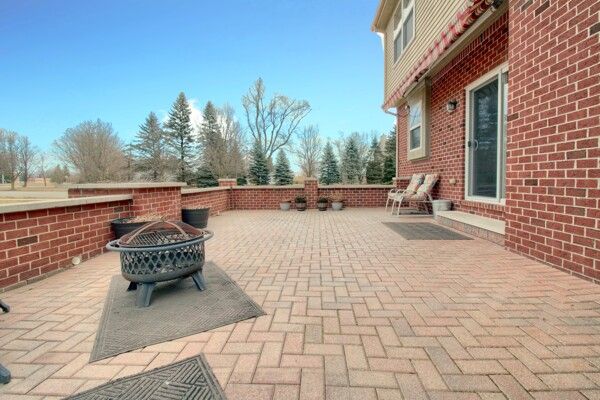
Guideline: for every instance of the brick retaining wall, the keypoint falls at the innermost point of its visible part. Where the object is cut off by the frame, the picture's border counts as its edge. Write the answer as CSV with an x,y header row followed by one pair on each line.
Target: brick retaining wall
x,y
38,242
218,199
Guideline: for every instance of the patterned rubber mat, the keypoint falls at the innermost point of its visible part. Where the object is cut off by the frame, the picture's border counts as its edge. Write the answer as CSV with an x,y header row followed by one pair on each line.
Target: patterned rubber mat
x,y
189,379
424,231
177,310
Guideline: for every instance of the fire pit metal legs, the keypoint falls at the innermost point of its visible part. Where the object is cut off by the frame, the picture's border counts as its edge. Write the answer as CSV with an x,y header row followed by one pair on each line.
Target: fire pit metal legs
x,y
199,280
144,290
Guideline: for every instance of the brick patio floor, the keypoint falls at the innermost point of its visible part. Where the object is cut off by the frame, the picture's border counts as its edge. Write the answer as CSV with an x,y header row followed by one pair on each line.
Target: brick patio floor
x,y
354,312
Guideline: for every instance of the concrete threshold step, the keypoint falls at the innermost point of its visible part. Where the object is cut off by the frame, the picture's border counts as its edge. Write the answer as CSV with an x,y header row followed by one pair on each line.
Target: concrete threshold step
x,y
476,225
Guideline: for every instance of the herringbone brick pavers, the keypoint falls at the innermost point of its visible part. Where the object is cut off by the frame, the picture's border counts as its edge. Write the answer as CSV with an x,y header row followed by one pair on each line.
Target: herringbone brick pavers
x,y
354,311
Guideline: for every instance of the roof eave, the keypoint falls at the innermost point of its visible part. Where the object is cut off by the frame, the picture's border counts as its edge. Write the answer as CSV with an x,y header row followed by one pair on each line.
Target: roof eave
x,y
380,20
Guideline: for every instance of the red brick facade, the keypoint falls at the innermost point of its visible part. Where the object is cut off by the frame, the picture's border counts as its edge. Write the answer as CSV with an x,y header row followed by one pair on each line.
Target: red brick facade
x,y
35,243
553,197
447,130
553,150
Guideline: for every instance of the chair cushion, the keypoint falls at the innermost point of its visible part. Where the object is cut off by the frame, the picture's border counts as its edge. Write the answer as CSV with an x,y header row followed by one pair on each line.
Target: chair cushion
x,y
428,183
415,182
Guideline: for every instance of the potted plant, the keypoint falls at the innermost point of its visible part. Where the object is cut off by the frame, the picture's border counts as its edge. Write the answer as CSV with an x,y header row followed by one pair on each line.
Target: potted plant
x,y
122,226
285,205
322,203
300,203
337,203
196,217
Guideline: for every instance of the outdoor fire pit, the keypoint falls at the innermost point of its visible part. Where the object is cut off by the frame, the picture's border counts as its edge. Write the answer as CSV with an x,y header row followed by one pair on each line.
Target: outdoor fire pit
x,y
161,251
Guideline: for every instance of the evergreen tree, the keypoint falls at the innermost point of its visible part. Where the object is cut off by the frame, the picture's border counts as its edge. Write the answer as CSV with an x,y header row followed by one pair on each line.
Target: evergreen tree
x,y
375,164
283,173
205,178
149,148
259,170
181,137
330,172
214,151
352,161
389,161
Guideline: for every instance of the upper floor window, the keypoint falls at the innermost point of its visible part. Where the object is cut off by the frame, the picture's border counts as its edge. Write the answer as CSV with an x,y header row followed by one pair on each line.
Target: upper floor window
x,y
404,26
414,125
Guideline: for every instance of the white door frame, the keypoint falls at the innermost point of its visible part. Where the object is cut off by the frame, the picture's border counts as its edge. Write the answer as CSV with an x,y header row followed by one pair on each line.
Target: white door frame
x,y
481,81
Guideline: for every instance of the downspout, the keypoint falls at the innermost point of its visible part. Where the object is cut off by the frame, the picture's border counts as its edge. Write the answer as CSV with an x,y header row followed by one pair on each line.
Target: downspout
x,y
387,111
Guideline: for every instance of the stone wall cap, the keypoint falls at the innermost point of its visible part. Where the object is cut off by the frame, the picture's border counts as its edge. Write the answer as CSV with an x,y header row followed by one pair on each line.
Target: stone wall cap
x,y
127,185
358,186
204,190
263,187
45,204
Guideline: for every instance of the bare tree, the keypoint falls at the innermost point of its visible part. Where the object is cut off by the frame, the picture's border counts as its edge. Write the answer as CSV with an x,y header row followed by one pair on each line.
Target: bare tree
x,y
272,123
42,166
27,158
308,150
94,150
9,156
233,134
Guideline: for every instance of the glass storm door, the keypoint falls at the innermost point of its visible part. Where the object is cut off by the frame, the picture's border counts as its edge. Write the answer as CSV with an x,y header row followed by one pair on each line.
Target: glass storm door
x,y
486,141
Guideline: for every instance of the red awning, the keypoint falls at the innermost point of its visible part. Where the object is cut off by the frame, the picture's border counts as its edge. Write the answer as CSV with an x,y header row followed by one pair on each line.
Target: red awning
x,y
462,20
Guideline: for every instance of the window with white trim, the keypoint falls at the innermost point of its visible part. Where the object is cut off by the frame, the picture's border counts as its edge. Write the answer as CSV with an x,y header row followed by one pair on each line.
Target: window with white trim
x,y
417,121
404,26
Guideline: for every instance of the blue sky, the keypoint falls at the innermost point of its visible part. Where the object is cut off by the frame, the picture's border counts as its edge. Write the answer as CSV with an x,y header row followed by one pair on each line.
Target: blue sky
x,y
63,62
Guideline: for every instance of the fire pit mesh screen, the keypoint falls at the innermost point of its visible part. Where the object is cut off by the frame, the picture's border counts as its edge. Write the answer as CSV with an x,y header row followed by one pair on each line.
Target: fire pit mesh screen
x,y
147,265
160,233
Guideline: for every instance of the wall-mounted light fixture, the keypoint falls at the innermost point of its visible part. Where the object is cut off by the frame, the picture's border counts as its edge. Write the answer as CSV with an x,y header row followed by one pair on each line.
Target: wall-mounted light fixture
x,y
451,106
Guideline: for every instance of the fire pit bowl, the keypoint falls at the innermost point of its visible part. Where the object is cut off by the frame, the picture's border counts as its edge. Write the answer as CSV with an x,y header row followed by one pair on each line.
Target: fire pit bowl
x,y
161,251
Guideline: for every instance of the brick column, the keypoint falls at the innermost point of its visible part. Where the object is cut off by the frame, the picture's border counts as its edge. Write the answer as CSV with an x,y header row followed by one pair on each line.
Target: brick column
x,y
228,182
311,191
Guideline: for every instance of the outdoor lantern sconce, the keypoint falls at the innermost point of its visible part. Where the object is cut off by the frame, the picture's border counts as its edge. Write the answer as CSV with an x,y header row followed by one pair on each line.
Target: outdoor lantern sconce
x,y
451,106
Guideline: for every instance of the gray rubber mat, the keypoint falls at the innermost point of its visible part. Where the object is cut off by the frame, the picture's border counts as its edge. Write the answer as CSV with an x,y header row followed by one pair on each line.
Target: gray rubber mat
x,y
424,231
189,379
177,309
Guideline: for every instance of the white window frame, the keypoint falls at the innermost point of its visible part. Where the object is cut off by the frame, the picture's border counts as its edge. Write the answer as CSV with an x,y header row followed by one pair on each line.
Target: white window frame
x,y
496,73
420,95
398,31
412,105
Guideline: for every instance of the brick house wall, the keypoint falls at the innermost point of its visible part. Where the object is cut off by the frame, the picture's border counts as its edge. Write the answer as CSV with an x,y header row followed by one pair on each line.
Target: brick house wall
x,y
38,242
447,130
553,195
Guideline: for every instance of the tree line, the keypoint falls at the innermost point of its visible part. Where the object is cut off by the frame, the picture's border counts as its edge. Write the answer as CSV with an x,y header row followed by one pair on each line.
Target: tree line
x,y
219,147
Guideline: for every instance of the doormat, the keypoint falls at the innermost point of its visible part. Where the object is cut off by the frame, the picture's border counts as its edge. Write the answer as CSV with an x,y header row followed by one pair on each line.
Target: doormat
x,y
189,379
424,231
178,309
